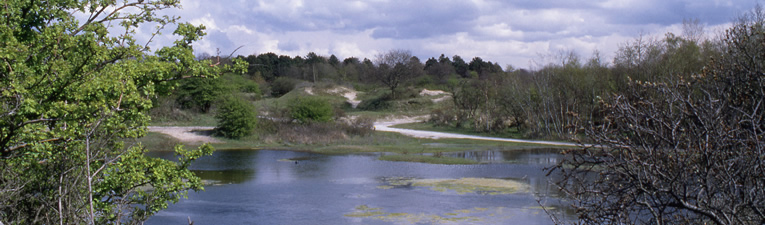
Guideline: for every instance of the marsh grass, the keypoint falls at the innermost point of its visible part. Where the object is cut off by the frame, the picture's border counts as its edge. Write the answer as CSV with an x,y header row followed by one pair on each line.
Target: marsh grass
x,y
473,185
364,211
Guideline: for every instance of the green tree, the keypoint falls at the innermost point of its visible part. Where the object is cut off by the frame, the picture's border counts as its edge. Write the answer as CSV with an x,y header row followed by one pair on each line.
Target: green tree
x,y
200,93
237,118
71,94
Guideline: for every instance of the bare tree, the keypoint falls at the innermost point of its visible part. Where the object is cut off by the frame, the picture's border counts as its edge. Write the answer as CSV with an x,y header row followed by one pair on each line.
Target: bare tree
x,y
395,67
690,151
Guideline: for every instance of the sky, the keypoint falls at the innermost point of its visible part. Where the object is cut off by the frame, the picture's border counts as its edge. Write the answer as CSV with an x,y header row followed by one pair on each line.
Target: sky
x,y
520,33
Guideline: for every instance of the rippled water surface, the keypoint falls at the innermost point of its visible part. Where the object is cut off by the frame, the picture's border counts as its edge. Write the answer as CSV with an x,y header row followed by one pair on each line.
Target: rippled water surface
x,y
285,187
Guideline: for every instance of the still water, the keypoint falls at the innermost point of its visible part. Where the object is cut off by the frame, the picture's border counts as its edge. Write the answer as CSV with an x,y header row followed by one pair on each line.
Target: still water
x,y
285,187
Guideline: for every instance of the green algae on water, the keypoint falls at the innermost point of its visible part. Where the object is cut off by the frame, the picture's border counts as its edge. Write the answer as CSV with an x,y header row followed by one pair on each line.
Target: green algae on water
x,y
462,185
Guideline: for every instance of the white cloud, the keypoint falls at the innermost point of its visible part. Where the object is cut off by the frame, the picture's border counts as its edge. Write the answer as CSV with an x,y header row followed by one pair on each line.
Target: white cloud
x,y
207,21
507,32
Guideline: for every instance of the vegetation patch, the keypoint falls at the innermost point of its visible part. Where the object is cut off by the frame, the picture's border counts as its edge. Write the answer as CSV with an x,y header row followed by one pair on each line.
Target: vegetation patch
x,y
488,186
471,215
365,211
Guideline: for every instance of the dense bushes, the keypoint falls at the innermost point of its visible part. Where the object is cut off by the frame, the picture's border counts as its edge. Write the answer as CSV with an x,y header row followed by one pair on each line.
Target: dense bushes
x,y
376,103
236,118
282,86
310,109
200,94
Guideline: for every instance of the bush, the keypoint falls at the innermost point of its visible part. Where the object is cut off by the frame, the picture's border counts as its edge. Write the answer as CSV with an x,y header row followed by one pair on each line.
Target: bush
x,y
380,102
236,118
310,109
251,87
360,126
282,86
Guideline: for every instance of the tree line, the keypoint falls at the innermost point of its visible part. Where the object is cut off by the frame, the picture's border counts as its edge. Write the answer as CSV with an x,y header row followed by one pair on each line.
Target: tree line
x,y
553,99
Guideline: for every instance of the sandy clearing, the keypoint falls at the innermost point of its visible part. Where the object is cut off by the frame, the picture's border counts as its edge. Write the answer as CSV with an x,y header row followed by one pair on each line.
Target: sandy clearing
x,y
348,93
441,98
308,90
426,92
385,126
432,92
187,134
351,96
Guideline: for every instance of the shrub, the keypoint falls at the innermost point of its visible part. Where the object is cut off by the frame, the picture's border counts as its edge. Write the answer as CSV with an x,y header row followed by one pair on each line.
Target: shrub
x,y
282,86
380,102
360,126
236,118
310,109
251,87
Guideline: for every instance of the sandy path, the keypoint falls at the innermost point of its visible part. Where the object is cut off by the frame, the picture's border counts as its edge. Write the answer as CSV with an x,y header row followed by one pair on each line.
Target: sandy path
x,y
201,134
187,134
386,127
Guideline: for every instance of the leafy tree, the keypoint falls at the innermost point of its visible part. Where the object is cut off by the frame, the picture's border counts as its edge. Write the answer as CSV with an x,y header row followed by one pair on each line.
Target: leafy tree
x,y
71,93
310,109
685,151
200,93
237,118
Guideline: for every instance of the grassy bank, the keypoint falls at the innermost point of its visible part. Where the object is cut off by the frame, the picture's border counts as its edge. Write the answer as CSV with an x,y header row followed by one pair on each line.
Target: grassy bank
x,y
354,135
404,148
511,133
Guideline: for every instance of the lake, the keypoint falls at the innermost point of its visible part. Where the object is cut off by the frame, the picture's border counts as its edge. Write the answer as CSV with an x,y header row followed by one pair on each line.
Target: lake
x,y
287,187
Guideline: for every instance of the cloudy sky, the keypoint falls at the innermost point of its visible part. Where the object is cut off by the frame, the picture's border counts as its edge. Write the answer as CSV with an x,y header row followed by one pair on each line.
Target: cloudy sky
x,y
507,32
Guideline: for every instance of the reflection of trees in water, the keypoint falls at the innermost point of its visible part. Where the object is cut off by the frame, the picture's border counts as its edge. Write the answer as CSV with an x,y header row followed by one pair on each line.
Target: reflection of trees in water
x,y
526,156
480,156
226,176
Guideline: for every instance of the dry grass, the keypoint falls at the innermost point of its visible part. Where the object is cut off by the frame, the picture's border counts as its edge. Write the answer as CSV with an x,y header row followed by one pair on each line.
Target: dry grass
x,y
314,133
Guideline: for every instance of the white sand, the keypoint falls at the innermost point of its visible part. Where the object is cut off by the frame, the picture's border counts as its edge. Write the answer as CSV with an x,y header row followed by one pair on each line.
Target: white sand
x,y
186,134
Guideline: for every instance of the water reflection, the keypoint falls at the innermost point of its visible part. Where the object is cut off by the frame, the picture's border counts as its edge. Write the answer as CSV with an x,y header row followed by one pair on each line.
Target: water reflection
x,y
524,156
283,187
225,176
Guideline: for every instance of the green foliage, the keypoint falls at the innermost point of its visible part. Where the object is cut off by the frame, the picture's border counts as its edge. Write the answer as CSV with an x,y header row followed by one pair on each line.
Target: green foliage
x,y
237,118
69,93
310,109
165,183
282,86
236,82
379,102
200,94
